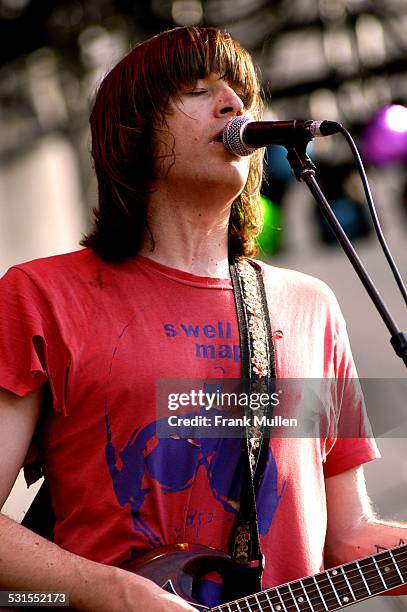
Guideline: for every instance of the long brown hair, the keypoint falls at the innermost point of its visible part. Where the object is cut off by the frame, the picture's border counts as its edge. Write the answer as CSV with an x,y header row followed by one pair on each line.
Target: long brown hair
x,y
133,98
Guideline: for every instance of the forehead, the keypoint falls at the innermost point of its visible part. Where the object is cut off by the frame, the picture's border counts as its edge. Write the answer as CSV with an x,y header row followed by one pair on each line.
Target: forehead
x,y
214,78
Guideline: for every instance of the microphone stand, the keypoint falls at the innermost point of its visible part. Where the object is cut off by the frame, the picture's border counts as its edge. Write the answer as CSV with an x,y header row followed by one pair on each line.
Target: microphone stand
x,y
304,171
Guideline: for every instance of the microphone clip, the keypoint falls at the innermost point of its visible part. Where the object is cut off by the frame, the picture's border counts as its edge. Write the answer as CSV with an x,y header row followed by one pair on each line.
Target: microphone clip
x,y
301,164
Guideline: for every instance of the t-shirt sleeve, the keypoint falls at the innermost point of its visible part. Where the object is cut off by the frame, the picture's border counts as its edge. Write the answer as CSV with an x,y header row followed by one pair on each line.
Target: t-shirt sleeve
x,y
351,441
31,346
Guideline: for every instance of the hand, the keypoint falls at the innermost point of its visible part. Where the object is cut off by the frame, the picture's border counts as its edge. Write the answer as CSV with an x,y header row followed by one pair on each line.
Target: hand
x,y
154,599
166,602
128,591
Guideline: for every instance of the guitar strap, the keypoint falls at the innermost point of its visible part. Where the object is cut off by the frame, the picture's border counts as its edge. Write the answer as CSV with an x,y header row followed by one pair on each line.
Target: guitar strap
x,y
259,376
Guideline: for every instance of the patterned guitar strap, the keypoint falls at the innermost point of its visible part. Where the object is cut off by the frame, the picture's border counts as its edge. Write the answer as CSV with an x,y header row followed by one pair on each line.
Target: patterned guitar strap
x,y
259,376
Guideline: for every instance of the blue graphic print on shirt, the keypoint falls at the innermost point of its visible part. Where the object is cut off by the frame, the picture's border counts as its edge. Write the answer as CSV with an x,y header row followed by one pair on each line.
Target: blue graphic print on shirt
x,y
173,464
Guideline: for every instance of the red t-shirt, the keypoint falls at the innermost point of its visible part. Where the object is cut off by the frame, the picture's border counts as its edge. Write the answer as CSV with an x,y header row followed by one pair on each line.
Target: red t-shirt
x,y
101,334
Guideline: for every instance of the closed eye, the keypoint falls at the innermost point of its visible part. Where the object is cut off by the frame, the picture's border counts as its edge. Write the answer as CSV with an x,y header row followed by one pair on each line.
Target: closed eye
x,y
196,92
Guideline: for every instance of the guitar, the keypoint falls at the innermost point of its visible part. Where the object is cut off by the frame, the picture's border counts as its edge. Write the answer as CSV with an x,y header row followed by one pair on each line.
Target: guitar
x,y
175,567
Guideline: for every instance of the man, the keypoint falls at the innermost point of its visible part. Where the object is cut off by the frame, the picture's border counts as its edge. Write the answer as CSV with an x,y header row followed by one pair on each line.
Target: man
x,y
85,336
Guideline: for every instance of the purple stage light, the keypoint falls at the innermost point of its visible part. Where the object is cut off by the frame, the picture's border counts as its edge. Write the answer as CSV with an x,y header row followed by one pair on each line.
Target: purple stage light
x,y
384,138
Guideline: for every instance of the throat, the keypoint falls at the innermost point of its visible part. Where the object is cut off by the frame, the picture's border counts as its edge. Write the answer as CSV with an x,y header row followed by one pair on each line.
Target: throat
x,y
211,268
208,267
189,237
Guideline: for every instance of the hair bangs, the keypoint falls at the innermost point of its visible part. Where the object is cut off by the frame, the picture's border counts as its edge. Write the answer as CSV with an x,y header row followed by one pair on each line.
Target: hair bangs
x,y
193,53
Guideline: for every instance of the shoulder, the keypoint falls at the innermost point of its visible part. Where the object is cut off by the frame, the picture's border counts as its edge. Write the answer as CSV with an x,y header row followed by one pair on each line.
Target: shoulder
x,y
297,284
53,271
46,279
295,298
81,258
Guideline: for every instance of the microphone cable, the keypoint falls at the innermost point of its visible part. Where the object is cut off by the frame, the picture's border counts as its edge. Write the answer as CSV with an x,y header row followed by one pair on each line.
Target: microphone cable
x,y
372,209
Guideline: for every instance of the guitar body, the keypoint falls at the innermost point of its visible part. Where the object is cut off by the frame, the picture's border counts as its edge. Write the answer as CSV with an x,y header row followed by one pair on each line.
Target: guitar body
x,y
176,567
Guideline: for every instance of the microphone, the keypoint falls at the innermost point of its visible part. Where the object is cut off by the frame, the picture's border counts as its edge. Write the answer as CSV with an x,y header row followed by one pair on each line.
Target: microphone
x,y
242,136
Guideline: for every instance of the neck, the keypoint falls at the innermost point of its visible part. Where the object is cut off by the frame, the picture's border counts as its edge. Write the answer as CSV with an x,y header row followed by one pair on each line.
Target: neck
x,y
188,235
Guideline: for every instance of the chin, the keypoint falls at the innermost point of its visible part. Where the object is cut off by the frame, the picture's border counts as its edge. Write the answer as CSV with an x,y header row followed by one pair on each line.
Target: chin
x,y
235,172
226,193
235,184
227,184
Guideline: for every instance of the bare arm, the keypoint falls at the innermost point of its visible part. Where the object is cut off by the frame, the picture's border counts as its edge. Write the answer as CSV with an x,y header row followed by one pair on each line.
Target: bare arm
x,y
353,529
29,562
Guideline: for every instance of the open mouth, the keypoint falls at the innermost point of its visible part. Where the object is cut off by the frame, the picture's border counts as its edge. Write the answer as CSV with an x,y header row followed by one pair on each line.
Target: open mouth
x,y
218,137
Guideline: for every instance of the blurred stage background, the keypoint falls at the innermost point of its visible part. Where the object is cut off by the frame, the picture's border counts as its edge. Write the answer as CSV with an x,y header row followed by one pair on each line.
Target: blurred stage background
x,y
344,60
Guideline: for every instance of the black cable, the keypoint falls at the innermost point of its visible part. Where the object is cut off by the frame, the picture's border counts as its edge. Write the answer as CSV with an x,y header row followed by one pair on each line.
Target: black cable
x,y
304,170
373,212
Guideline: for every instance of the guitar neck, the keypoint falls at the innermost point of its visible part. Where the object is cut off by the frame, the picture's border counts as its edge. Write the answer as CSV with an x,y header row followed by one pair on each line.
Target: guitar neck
x,y
330,590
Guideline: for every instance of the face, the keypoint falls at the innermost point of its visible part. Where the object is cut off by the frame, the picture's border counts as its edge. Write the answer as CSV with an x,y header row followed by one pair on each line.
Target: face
x,y
195,120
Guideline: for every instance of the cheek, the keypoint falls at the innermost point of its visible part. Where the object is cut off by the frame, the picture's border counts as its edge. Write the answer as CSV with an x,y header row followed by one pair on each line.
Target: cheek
x,y
187,137
163,142
163,150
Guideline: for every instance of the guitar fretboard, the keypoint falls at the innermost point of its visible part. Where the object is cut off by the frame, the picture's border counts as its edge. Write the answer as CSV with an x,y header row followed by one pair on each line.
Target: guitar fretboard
x,y
333,589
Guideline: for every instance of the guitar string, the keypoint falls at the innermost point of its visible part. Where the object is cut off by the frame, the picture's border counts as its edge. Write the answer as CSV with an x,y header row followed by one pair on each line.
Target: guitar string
x,y
331,597
246,605
351,573
354,572
317,604
273,601
401,554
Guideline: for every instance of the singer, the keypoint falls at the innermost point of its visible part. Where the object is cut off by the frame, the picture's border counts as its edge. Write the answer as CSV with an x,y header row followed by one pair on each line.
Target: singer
x,y
85,336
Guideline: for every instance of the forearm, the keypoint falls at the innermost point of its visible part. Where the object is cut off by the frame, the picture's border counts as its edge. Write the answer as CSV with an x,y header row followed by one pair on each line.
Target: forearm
x,y
31,563
368,537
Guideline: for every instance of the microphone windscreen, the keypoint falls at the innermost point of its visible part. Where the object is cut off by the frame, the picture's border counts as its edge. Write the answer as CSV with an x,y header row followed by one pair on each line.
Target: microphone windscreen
x,y
232,136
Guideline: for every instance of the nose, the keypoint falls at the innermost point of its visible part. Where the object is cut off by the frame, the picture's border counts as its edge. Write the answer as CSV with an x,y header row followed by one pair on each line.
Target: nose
x,y
228,103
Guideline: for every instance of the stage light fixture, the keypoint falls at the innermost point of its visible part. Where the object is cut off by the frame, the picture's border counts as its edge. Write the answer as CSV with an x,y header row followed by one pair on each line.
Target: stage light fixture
x,y
384,138
270,239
